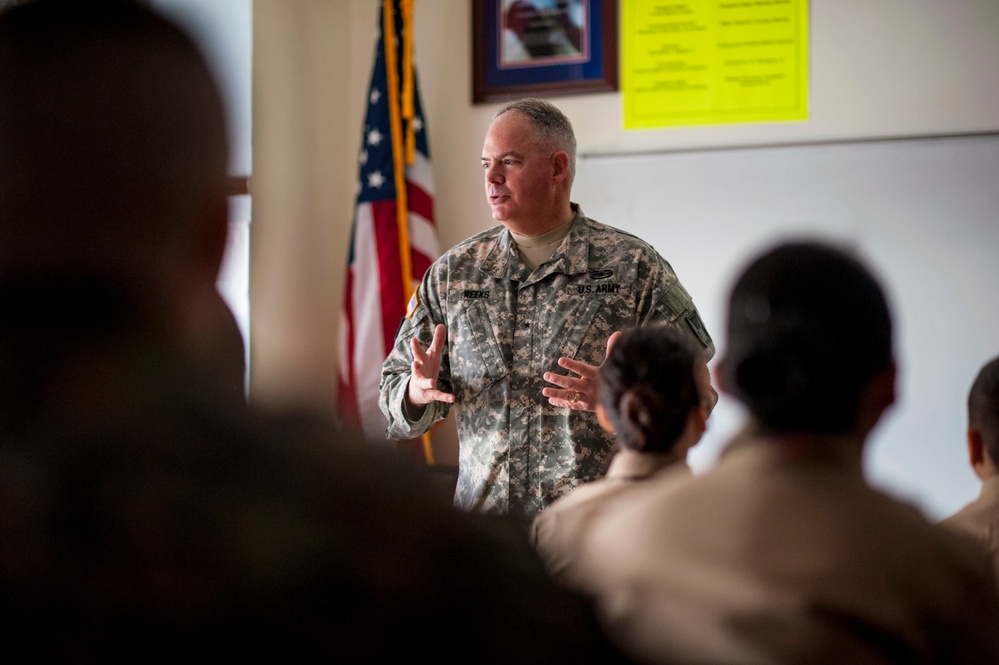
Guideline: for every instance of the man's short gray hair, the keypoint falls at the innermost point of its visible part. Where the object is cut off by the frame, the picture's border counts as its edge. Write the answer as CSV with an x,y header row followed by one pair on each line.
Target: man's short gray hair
x,y
550,124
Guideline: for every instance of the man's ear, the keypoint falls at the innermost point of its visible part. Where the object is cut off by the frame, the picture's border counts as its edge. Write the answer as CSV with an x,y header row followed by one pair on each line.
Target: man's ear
x,y
876,396
976,450
698,419
885,390
879,394
719,375
560,166
214,234
203,255
977,457
697,424
602,419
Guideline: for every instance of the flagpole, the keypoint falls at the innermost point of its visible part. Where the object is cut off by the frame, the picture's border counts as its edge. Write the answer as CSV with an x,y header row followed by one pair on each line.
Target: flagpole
x,y
398,153
395,124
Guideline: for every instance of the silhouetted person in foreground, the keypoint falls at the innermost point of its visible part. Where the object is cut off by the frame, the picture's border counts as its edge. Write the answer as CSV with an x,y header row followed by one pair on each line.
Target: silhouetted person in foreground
x,y
144,512
782,553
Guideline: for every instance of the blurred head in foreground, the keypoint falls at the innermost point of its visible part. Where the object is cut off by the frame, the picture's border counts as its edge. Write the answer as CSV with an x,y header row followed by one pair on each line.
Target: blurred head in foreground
x,y
113,156
809,337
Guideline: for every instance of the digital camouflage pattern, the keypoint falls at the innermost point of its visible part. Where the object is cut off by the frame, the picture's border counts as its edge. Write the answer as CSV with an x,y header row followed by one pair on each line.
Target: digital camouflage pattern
x,y
506,327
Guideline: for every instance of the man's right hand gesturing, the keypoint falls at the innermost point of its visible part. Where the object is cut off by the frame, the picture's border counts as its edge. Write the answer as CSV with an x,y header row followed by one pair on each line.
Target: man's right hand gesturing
x,y
424,370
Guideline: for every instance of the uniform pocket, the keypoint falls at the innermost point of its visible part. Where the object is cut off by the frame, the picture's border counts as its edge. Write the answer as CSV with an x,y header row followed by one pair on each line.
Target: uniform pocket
x,y
476,358
568,336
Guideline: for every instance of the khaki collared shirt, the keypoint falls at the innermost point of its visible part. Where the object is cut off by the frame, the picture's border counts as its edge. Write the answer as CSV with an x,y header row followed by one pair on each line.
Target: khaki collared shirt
x,y
558,531
980,520
783,554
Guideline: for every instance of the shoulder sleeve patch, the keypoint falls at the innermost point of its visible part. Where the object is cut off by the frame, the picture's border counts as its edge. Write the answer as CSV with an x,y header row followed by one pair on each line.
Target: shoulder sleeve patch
x,y
700,331
414,302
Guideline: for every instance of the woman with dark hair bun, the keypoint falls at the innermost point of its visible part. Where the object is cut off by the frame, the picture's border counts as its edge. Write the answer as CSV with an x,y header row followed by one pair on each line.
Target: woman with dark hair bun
x,y
654,396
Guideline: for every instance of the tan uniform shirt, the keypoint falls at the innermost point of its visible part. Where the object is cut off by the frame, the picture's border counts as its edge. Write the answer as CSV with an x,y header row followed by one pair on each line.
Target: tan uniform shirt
x,y
558,530
980,519
783,554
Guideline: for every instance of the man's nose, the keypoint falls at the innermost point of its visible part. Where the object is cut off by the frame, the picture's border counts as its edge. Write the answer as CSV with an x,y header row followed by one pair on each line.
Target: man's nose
x,y
494,173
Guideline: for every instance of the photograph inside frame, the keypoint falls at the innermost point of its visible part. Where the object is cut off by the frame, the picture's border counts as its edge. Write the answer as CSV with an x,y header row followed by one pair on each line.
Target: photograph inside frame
x,y
542,32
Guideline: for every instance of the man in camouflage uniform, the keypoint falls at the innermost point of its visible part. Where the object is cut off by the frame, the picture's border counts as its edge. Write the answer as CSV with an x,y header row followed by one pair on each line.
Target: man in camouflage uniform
x,y
507,311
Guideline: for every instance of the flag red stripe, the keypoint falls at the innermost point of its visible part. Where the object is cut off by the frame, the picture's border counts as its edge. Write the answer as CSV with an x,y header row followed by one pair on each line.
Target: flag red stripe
x,y
393,302
346,395
421,262
420,201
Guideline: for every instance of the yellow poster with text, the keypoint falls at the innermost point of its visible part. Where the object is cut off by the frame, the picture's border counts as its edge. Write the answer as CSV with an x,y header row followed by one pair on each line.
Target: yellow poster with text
x,y
713,62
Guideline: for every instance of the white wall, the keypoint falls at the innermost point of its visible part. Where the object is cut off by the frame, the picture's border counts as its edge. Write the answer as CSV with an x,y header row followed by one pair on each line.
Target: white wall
x,y
892,67
301,188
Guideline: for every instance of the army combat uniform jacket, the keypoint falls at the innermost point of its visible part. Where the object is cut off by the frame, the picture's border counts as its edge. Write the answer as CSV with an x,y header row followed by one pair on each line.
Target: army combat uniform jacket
x,y
506,326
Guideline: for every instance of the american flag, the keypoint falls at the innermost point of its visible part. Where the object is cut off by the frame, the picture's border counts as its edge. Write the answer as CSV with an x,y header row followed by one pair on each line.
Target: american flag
x,y
394,239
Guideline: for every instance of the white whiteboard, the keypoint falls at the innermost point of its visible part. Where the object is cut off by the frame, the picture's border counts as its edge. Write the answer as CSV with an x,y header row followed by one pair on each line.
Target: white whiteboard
x,y
925,214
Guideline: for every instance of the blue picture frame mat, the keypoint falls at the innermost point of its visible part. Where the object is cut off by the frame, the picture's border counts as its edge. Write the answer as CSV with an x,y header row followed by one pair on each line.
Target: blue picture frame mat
x,y
591,69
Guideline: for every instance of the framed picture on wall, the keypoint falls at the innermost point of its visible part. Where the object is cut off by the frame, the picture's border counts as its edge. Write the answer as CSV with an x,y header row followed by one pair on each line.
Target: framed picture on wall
x,y
542,48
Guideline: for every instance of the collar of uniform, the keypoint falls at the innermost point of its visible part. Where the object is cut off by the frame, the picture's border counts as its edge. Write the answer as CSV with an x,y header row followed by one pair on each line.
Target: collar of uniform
x,y
632,465
575,251
841,452
502,260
